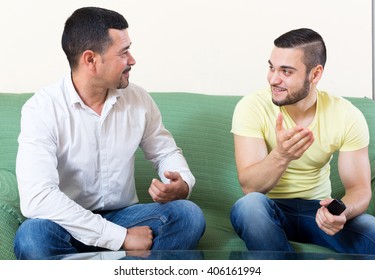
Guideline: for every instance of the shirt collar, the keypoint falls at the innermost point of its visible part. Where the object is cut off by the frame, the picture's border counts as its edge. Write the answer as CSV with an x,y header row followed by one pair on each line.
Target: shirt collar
x,y
112,96
73,95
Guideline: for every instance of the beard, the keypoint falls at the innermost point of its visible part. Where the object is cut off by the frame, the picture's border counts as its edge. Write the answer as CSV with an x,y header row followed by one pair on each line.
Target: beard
x,y
124,81
123,84
295,96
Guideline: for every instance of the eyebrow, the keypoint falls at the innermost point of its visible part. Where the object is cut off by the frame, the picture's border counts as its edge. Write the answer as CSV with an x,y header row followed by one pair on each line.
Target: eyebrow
x,y
126,48
283,66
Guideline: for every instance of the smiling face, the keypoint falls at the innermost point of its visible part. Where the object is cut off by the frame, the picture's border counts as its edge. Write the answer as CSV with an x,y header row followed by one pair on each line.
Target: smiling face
x,y
116,61
287,76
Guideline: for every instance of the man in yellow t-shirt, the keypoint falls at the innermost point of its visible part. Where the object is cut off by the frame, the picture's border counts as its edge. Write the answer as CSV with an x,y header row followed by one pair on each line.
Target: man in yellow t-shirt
x,y
284,140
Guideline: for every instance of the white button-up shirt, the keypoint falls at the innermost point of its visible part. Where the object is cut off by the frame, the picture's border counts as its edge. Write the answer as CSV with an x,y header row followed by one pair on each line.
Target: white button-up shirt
x,y
72,161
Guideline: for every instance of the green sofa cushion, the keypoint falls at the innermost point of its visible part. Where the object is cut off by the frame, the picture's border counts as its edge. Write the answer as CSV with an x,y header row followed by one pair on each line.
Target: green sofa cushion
x,y
10,114
9,223
10,214
9,193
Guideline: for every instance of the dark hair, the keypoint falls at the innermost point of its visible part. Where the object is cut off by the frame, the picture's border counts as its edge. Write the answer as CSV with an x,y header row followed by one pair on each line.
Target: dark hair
x,y
87,29
309,41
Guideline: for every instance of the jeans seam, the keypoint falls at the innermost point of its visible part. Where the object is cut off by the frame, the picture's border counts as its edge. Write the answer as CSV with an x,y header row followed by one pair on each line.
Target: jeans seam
x,y
161,218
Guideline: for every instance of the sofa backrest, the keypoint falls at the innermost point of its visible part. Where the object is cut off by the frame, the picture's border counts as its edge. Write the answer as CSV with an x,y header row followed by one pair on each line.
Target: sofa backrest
x,y
10,114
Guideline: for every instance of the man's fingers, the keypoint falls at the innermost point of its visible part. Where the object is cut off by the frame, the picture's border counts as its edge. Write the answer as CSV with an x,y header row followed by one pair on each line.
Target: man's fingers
x,y
279,122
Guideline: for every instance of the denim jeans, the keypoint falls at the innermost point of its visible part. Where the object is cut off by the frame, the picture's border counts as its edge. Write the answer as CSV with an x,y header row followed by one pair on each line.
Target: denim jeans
x,y
269,224
176,225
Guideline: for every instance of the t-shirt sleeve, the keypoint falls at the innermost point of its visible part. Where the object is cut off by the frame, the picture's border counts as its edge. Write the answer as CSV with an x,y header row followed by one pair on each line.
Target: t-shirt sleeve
x,y
357,133
246,119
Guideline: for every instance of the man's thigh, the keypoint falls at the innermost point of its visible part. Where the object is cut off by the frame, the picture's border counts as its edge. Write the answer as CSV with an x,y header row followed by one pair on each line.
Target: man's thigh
x,y
300,224
155,214
135,215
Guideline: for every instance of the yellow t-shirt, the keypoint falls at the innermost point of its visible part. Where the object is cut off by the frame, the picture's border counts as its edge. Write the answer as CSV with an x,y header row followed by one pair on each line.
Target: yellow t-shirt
x,y
337,125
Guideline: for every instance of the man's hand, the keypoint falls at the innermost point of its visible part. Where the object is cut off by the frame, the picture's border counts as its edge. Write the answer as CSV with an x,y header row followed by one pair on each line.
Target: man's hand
x,y
176,189
138,239
330,224
292,143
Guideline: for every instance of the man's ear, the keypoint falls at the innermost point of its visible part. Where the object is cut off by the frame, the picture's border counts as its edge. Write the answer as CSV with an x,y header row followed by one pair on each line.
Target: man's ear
x,y
316,73
89,58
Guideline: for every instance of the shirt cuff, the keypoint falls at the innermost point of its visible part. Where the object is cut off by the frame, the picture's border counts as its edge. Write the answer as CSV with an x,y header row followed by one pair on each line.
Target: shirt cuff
x,y
113,236
190,181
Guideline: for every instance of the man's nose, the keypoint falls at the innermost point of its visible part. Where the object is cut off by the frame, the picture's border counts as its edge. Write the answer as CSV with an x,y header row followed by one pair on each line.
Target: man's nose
x,y
131,60
274,78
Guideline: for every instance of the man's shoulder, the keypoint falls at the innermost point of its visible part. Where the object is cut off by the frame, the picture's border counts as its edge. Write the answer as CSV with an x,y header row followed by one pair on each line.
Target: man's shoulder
x,y
48,94
332,99
259,101
335,103
341,114
260,96
134,89
135,94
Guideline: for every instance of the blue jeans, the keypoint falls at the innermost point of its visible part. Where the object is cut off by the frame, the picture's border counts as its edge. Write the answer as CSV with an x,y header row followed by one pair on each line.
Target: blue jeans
x,y
269,225
176,225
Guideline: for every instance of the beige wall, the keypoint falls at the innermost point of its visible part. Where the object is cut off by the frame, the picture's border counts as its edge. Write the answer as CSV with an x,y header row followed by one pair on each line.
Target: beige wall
x,y
203,46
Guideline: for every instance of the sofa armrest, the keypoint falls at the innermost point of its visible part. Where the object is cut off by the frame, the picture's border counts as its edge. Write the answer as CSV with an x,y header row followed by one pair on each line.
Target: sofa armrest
x,y
9,193
9,223
10,213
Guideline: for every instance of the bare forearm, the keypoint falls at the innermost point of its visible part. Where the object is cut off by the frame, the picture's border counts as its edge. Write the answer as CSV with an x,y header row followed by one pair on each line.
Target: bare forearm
x,y
260,171
356,202
263,176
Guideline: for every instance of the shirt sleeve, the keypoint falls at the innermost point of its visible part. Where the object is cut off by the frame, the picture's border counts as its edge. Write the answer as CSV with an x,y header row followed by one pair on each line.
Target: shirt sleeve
x,y
161,149
246,119
38,182
357,133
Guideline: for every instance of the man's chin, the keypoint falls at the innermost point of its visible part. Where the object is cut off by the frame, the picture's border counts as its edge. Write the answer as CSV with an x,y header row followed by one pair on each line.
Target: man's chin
x,y
123,85
284,102
278,101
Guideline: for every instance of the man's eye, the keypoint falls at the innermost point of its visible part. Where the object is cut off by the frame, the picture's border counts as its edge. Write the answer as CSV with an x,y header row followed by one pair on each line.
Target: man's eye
x,y
124,53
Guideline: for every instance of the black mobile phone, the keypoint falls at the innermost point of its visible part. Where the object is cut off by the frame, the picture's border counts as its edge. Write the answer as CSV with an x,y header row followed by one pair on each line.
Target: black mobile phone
x,y
336,207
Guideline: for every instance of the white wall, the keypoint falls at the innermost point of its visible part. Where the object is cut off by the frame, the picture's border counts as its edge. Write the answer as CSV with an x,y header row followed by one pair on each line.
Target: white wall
x,y
203,46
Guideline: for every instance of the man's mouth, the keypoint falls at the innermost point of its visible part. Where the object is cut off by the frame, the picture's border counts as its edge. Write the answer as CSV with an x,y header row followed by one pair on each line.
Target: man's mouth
x,y
278,90
127,70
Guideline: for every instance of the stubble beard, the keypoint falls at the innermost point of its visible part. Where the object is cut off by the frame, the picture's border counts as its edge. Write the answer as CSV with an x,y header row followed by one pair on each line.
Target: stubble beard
x,y
296,96
124,83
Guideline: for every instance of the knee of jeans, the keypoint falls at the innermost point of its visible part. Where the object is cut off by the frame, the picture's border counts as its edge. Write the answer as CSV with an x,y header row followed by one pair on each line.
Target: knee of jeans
x,y
249,202
29,234
191,213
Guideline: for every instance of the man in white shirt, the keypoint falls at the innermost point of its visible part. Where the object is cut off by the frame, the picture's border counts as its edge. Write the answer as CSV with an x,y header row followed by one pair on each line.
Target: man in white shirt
x,y
75,163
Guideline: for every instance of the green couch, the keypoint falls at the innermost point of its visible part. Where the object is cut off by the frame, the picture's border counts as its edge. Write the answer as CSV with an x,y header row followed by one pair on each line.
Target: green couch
x,y
201,126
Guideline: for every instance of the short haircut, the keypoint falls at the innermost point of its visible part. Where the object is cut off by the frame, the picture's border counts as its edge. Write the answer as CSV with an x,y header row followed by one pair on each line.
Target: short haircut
x,y
87,29
309,41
